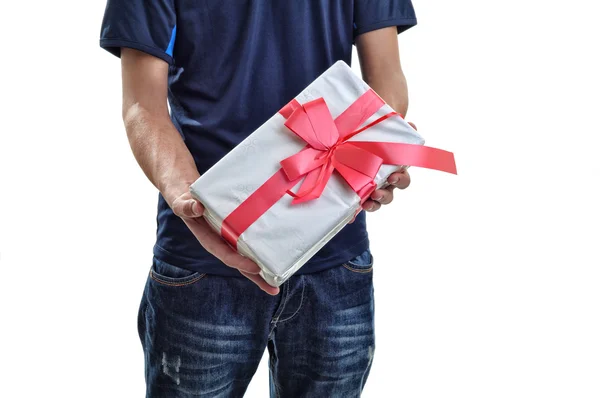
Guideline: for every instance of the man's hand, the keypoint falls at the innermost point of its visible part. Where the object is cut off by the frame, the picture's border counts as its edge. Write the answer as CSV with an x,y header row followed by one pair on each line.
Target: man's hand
x,y
385,195
190,211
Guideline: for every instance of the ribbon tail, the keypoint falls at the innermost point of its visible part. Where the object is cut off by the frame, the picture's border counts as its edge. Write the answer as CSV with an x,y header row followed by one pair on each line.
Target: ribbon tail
x,y
411,155
314,184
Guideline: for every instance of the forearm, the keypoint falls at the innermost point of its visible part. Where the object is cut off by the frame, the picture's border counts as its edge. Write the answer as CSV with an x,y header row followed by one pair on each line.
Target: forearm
x,y
156,144
392,88
160,151
380,65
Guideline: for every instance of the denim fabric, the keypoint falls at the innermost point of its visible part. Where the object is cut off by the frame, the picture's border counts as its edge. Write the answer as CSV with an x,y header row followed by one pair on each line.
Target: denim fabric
x,y
204,335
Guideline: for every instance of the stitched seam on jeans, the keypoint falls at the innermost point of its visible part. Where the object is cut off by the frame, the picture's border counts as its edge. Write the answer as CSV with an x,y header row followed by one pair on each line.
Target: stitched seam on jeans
x,y
358,271
162,282
272,373
299,307
285,300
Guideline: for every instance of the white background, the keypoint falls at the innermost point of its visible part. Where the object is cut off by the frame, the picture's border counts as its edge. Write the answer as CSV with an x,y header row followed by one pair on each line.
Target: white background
x,y
487,284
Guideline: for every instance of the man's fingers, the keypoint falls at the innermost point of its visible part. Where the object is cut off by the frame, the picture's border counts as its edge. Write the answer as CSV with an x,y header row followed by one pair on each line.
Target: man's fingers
x,y
260,282
383,196
412,125
400,180
371,205
216,246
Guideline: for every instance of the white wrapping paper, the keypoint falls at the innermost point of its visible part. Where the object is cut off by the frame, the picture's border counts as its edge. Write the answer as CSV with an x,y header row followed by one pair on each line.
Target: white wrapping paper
x,y
287,236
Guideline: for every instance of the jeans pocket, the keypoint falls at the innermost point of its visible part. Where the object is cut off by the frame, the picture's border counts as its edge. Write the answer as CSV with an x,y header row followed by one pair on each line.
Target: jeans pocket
x,y
170,275
361,264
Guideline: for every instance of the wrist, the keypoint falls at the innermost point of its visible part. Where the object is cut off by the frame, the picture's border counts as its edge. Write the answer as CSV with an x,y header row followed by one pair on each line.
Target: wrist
x,y
175,189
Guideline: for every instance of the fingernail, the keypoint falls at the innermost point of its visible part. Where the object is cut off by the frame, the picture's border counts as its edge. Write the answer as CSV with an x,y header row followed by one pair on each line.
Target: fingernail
x,y
377,197
394,180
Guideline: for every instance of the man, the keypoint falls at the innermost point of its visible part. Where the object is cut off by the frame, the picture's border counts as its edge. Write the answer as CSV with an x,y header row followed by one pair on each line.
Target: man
x,y
226,66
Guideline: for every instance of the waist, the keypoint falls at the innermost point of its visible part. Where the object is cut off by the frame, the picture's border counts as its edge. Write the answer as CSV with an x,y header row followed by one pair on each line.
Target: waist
x,y
176,245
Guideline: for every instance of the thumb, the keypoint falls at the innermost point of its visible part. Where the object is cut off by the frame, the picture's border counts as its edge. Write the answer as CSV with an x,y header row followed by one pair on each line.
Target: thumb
x,y
189,208
412,125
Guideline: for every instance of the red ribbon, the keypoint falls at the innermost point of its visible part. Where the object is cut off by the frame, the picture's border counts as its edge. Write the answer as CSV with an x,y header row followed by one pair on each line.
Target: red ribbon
x,y
328,149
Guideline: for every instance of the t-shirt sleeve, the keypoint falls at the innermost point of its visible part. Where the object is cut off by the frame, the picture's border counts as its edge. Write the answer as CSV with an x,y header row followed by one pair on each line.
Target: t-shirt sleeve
x,y
377,14
145,25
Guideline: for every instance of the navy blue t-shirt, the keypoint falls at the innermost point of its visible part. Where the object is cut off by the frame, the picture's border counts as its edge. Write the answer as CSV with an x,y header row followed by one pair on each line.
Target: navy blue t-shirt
x,y
233,64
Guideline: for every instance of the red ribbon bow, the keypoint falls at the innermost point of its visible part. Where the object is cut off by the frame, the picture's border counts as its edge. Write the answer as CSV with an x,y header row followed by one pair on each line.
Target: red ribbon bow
x,y
328,149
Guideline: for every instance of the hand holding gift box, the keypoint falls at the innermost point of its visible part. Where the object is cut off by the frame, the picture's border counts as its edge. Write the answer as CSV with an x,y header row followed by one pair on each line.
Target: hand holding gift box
x,y
288,188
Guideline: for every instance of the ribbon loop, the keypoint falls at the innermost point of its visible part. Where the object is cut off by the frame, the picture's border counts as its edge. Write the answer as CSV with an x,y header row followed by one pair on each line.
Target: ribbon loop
x,y
303,162
314,124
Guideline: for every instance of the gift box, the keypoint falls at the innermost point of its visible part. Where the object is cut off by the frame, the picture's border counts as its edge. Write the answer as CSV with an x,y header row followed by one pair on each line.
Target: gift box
x,y
288,188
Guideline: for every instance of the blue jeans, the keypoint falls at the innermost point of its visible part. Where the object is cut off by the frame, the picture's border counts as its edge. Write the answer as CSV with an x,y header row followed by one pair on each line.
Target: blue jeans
x,y
204,335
